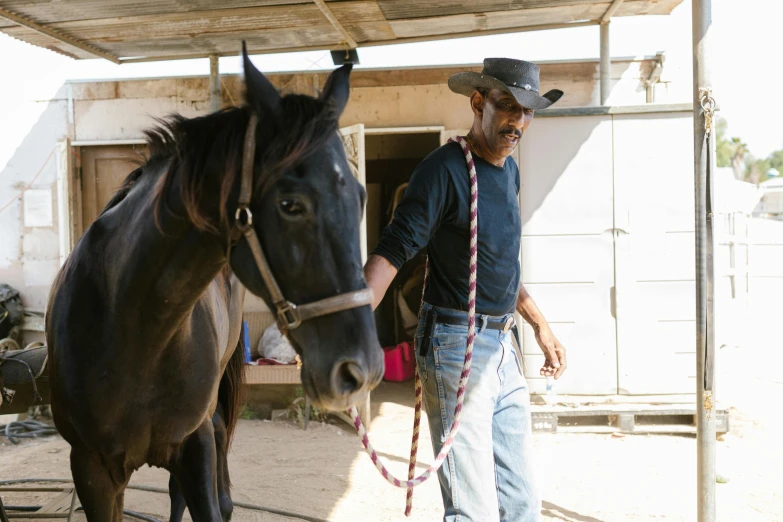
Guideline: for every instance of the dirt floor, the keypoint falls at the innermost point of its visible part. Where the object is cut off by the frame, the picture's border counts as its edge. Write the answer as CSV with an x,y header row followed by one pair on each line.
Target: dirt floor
x,y
324,473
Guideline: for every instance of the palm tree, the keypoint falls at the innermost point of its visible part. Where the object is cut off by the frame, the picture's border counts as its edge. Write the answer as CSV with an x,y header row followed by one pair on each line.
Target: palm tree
x,y
739,152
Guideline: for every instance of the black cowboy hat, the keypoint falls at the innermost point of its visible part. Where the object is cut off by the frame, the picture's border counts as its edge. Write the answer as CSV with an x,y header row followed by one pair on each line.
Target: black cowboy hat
x,y
517,77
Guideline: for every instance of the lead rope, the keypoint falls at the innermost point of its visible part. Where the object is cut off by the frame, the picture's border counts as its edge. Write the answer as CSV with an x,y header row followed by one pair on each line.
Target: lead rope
x,y
463,381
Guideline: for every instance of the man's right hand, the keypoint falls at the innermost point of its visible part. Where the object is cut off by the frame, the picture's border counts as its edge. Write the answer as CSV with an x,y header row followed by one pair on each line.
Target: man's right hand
x,y
379,273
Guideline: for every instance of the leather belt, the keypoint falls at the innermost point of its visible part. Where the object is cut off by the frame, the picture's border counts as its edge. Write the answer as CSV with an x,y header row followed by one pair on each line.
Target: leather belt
x,y
492,323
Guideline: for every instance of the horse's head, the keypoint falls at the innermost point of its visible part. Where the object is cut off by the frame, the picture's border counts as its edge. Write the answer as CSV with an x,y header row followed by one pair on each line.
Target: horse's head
x,y
307,207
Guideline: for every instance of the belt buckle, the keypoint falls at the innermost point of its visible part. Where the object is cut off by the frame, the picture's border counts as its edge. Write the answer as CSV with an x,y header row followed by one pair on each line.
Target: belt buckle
x,y
509,324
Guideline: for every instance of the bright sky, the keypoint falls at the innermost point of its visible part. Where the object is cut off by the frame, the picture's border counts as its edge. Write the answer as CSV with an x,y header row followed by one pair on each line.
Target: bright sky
x,y
746,61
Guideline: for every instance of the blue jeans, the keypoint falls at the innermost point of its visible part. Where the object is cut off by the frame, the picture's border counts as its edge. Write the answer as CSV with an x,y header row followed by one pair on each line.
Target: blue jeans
x,y
488,475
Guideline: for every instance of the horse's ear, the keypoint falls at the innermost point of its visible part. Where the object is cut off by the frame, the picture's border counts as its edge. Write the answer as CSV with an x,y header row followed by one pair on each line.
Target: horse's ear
x,y
260,94
337,88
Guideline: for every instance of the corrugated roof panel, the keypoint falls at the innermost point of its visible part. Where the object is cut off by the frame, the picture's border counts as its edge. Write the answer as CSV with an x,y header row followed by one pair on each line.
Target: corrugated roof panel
x,y
189,28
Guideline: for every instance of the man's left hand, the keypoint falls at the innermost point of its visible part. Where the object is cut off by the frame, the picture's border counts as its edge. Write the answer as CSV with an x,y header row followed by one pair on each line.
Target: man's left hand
x,y
554,352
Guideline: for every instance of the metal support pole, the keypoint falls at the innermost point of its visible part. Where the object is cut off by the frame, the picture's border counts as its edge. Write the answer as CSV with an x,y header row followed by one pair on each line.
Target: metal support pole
x,y
606,63
214,83
705,349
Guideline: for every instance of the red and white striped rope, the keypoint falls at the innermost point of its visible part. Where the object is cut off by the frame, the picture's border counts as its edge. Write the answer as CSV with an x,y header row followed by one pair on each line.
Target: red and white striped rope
x,y
463,382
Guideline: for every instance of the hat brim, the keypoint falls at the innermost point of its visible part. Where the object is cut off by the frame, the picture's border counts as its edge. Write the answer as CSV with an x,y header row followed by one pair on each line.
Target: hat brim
x,y
466,83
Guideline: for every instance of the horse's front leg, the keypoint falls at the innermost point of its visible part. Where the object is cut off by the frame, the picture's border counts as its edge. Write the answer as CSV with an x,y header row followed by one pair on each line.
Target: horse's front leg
x,y
100,494
195,470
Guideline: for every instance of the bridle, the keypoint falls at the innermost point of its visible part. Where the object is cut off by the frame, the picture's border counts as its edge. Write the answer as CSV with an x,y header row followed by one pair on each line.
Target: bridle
x,y
289,315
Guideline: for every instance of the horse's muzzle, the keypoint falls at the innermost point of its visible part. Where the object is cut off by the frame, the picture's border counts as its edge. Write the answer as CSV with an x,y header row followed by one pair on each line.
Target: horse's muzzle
x,y
349,383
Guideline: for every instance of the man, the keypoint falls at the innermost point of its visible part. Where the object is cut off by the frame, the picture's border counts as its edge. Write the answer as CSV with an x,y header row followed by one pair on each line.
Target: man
x,y
488,475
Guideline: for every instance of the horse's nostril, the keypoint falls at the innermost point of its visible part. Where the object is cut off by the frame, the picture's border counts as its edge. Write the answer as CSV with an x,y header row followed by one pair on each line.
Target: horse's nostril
x,y
348,378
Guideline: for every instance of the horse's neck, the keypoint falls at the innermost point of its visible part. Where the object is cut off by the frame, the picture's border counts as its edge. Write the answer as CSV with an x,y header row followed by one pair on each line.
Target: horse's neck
x,y
159,272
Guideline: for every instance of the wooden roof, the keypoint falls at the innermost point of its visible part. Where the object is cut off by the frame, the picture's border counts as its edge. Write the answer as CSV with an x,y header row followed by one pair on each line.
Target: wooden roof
x,y
139,30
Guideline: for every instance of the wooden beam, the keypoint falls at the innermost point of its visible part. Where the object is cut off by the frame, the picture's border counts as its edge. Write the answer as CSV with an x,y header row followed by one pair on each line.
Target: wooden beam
x,y
51,33
611,11
605,64
190,56
349,41
429,38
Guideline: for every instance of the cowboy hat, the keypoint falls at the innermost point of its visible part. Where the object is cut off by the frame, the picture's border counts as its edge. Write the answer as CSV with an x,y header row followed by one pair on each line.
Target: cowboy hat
x,y
517,77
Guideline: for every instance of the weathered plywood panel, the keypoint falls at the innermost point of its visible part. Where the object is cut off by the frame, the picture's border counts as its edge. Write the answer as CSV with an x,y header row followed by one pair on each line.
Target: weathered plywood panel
x,y
396,10
408,107
486,21
225,22
50,11
138,28
466,23
552,3
216,31
126,119
45,42
363,20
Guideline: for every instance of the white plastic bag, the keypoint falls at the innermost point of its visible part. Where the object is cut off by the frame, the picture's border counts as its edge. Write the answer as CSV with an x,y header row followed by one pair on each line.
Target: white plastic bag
x,y
274,345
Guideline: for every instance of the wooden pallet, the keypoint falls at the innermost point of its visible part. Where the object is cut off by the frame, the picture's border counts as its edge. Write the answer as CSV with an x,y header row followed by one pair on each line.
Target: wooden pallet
x,y
62,506
622,418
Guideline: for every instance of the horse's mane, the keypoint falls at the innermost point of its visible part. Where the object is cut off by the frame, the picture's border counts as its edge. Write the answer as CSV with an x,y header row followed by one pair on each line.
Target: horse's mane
x,y
214,143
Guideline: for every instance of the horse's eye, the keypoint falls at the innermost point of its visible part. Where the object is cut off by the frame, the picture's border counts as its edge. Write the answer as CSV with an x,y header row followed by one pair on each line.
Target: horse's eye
x,y
292,207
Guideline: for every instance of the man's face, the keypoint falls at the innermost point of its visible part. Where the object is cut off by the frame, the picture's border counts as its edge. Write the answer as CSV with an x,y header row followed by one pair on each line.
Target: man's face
x,y
503,121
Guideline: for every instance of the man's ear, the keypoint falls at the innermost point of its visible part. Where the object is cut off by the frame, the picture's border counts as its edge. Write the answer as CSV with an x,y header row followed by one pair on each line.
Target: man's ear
x,y
477,101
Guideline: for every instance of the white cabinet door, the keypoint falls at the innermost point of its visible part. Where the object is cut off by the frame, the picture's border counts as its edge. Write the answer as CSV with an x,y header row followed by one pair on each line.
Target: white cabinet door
x,y
654,206
566,202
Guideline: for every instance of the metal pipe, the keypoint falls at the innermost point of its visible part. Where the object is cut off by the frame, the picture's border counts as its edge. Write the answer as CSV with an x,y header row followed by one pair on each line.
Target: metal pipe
x,y
141,487
214,83
611,11
703,158
606,64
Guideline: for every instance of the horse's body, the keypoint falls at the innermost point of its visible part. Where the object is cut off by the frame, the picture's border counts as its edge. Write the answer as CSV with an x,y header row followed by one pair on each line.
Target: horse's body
x,y
145,316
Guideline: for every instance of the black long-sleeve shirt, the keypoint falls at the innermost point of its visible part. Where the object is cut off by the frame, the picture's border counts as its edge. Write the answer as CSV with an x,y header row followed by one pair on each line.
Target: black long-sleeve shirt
x,y
435,212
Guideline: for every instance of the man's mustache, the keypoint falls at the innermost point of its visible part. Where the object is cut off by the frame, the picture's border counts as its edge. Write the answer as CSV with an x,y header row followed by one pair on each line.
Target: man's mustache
x,y
511,130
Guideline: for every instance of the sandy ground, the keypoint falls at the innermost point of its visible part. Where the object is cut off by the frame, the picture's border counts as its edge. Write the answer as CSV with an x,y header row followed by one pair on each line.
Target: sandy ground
x,y
324,472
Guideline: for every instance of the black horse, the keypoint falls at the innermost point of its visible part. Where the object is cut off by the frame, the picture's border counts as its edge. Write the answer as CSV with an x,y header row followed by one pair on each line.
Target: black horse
x,y
144,318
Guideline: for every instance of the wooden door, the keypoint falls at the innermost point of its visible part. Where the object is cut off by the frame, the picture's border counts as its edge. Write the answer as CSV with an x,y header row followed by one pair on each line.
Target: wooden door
x,y
104,168
353,142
